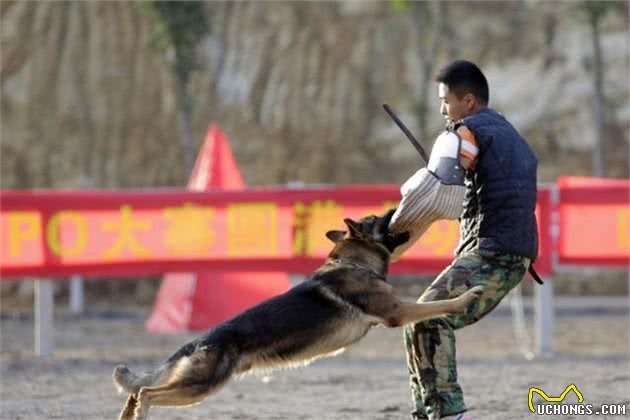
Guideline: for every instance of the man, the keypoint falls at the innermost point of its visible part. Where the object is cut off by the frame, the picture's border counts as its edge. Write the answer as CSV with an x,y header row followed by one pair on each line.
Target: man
x,y
484,173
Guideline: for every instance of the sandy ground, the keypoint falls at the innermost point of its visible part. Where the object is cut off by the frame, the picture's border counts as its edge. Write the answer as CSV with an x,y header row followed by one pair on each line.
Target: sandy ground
x,y
367,382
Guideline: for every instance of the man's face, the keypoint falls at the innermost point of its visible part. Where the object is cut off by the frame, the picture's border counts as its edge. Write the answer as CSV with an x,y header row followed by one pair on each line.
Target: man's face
x,y
453,108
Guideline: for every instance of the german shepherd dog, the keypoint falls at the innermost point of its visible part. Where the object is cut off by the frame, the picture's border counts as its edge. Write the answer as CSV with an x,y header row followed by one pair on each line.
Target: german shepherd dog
x,y
334,308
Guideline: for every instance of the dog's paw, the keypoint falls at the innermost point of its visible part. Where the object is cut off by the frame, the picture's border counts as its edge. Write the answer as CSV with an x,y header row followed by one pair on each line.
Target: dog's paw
x,y
465,300
477,291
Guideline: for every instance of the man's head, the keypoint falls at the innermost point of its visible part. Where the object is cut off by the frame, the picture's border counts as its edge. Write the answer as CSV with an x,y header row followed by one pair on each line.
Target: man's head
x,y
463,90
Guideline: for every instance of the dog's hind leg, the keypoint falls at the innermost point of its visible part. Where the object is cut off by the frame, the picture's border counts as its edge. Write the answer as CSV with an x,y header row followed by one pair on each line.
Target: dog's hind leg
x,y
129,408
173,394
196,377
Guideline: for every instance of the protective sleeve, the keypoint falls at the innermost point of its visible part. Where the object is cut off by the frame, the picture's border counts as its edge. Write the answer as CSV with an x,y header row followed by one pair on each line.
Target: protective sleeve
x,y
424,200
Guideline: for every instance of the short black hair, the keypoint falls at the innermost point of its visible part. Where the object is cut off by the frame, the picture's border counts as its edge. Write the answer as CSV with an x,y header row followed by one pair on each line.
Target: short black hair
x,y
464,77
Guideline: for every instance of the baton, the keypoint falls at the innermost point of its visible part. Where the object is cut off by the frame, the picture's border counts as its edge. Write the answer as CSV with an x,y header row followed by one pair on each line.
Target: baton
x,y
405,130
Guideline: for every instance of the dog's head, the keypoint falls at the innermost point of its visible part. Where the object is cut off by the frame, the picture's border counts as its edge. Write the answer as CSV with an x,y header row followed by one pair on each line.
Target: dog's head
x,y
371,232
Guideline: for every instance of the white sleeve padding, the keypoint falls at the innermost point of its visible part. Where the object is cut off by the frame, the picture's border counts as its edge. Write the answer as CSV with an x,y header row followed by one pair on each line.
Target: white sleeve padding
x,y
424,200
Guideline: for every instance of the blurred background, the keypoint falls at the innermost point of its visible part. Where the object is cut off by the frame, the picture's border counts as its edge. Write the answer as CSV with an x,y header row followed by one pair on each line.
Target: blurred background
x,y
120,94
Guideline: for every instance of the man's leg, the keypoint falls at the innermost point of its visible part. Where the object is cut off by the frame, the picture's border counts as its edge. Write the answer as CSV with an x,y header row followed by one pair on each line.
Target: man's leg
x,y
431,344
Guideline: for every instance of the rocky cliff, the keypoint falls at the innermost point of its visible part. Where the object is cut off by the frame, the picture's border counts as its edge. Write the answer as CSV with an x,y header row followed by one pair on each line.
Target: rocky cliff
x,y
86,101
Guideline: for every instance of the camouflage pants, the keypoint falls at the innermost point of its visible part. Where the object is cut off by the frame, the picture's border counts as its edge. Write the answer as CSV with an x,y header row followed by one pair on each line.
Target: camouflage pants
x,y
430,344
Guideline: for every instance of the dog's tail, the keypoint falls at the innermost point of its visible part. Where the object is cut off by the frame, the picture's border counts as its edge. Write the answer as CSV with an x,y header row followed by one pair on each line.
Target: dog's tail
x,y
127,381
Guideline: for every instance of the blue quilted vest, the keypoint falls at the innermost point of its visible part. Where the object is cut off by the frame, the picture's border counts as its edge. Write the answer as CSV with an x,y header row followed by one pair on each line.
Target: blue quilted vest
x,y
501,198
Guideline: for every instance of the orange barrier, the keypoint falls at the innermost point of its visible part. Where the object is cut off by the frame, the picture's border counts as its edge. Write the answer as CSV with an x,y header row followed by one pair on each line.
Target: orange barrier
x,y
58,233
594,221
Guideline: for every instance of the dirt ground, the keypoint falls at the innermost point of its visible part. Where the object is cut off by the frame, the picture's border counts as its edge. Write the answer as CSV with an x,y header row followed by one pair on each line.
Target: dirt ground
x,y
368,381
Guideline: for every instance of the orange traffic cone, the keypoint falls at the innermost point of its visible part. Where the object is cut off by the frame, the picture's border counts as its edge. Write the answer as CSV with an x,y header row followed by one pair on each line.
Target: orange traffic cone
x,y
197,301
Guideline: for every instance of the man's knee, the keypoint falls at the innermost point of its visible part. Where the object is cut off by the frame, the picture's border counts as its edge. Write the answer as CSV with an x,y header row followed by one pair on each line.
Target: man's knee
x,y
428,326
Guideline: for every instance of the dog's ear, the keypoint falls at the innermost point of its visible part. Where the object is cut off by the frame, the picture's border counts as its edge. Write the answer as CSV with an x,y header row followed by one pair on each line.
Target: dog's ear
x,y
335,235
355,227
387,217
396,239
381,227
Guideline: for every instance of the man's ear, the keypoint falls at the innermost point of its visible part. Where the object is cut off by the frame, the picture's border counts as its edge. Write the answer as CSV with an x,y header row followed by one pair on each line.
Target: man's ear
x,y
355,228
335,235
396,239
471,101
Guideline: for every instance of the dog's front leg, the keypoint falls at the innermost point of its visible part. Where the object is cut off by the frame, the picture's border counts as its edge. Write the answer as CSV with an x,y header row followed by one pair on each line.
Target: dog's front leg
x,y
405,313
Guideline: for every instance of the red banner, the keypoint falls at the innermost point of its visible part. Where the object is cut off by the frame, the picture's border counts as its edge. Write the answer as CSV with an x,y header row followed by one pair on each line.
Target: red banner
x,y
594,221
58,233
543,263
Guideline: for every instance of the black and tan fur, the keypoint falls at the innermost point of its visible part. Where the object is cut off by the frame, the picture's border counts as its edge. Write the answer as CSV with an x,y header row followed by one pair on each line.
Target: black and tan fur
x,y
336,307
